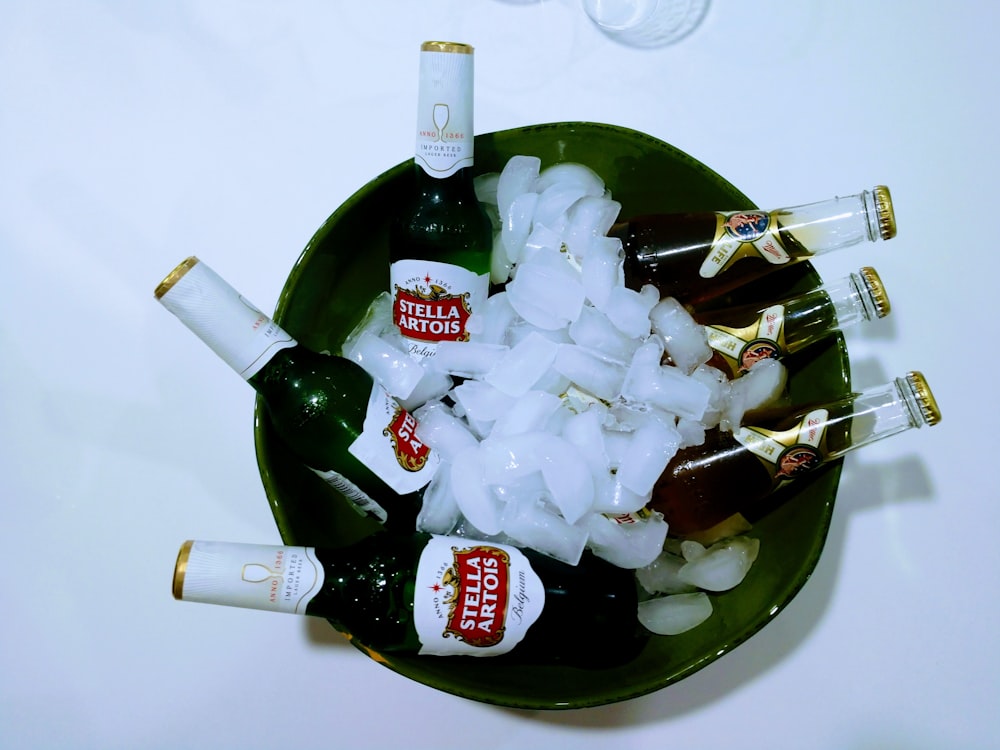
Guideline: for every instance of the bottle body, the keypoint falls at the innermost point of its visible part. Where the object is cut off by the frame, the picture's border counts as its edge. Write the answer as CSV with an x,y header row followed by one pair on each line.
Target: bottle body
x,y
695,257
431,595
440,245
733,472
326,409
740,337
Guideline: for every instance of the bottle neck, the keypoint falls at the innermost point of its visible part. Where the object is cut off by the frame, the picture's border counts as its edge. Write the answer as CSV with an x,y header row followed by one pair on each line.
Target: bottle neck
x,y
230,325
445,136
886,410
749,332
254,576
839,222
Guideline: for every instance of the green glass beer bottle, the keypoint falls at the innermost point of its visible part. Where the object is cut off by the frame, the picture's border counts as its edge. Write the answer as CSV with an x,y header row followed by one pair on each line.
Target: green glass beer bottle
x,y
326,409
739,472
440,244
431,595
696,257
739,337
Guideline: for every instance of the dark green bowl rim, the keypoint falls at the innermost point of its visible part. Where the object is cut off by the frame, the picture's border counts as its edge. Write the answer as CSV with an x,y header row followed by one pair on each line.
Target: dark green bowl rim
x,y
831,471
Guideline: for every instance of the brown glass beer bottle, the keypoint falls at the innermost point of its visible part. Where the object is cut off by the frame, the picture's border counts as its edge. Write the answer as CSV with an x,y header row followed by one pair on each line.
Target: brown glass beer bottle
x,y
695,257
732,472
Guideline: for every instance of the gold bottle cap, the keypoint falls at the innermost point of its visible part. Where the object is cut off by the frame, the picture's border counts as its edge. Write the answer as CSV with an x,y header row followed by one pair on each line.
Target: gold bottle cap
x,y
877,291
180,568
928,405
464,49
886,215
174,276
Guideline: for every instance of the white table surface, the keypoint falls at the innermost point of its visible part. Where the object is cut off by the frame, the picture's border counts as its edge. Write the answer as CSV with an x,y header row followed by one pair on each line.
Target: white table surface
x,y
135,133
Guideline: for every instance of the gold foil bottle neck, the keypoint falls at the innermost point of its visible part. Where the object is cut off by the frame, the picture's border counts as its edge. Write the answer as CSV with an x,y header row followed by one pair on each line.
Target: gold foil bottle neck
x,y
174,276
886,214
459,47
877,291
925,399
180,569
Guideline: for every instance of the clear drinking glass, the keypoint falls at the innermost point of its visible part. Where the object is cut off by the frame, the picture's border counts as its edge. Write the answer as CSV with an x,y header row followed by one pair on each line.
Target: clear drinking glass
x,y
646,23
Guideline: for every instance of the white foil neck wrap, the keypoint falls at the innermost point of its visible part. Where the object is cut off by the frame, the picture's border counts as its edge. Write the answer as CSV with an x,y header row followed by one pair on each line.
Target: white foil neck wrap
x,y
232,327
445,139
255,576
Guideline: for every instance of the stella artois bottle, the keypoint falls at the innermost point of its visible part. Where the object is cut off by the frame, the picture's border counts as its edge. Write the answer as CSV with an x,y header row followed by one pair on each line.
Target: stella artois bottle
x,y
739,472
441,243
695,257
327,409
433,595
744,336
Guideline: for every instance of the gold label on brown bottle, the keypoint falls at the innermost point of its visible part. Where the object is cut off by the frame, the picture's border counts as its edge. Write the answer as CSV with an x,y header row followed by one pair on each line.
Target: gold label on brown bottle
x,y
741,234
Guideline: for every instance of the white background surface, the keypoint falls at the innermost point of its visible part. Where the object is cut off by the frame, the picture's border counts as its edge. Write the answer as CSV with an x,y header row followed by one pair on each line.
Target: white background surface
x,y
135,133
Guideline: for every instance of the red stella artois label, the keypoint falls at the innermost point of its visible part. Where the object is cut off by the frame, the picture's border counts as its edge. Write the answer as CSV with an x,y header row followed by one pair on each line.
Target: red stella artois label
x,y
389,446
432,302
474,598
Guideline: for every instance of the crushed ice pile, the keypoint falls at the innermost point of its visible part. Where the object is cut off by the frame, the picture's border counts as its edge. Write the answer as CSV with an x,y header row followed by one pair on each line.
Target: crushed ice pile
x,y
573,394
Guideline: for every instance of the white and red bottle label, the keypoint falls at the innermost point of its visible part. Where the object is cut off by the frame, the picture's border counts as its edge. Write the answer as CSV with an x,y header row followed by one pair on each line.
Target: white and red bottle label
x,y
389,447
474,598
432,302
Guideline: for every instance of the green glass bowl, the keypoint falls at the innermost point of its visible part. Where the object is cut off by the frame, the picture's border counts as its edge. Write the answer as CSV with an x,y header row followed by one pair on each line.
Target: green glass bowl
x,y
345,265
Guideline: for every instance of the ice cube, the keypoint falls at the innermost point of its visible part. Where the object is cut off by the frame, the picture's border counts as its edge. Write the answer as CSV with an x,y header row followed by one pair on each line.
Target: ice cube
x,y
542,237
584,431
555,201
478,504
467,359
509,458
723,566
532,523
683,338
660,576
629,310
691,431
529,412
439,513
627,540
517,225
481,401
594,330
567,476
439,428
589,370
518,176
653,444
763,384
589,217
489,323
396,370
570,173
546,290
675,614
524,365
611,496
664,387
432,385
601,269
